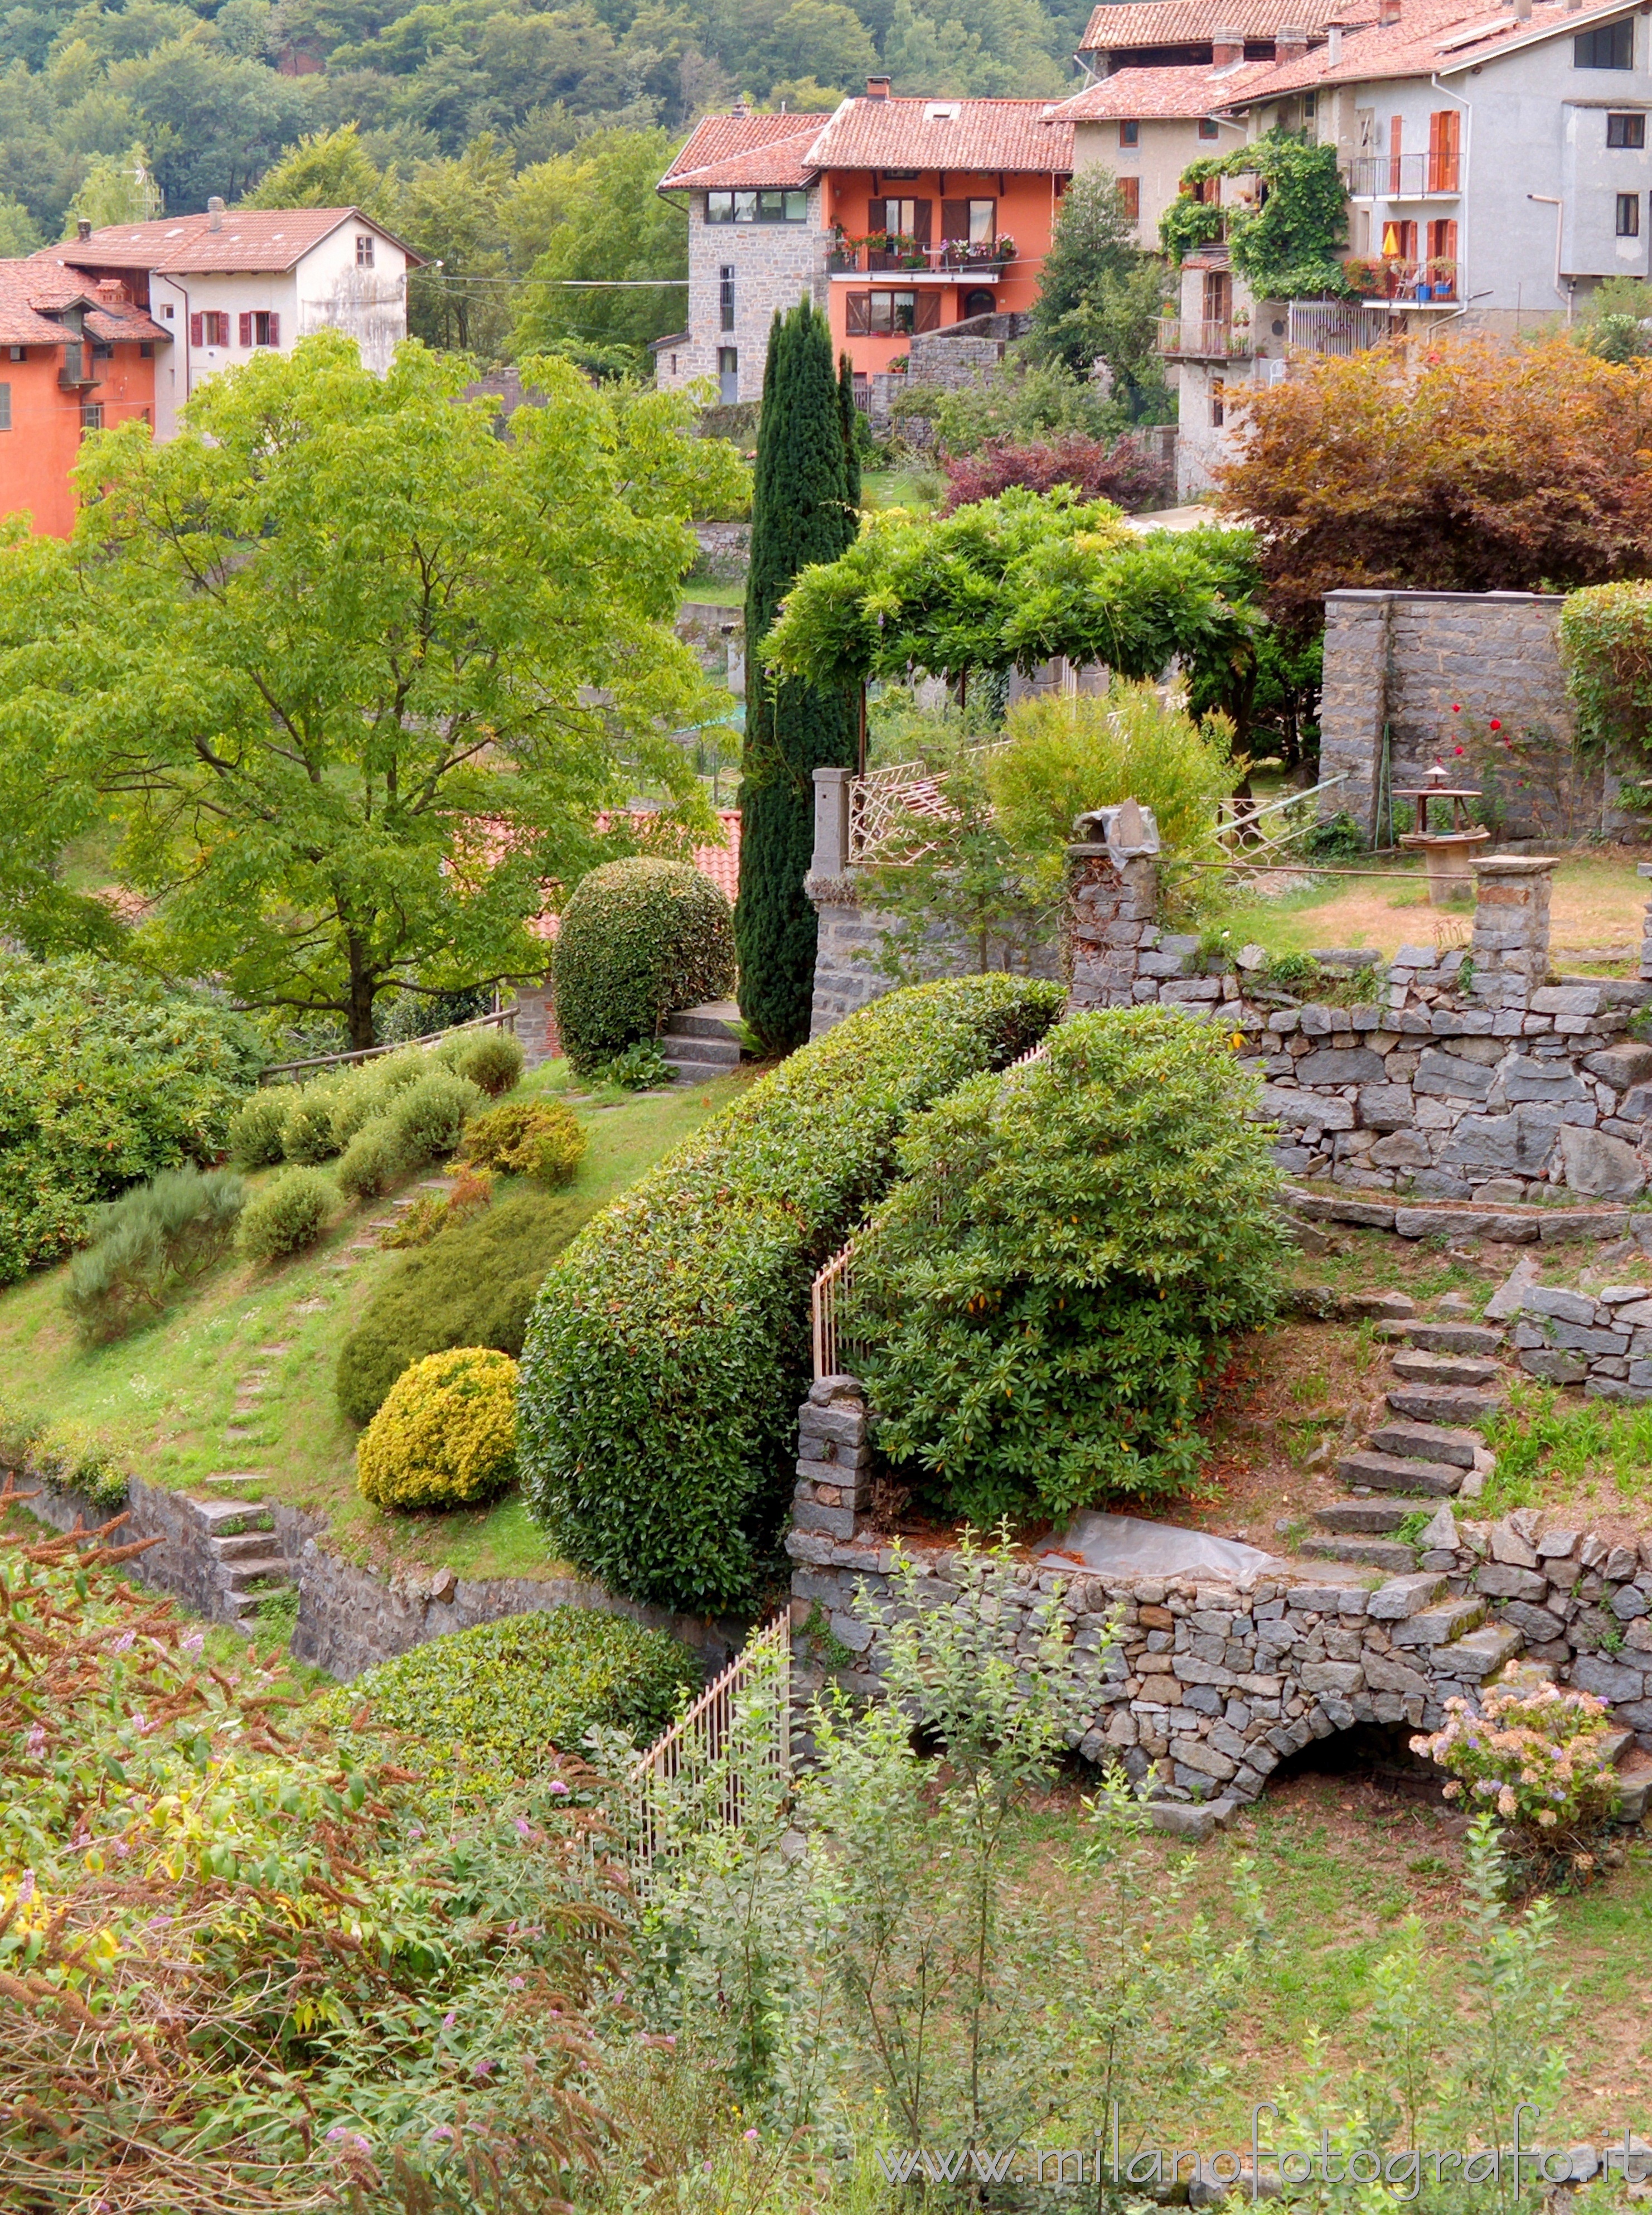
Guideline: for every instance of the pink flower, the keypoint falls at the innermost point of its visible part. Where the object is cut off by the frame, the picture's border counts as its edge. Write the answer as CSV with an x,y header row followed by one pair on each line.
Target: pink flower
x,y
194,1642
449,2019
1457,750
557,1785
482,2069
517,1982
524,1829
750,2135
34,1744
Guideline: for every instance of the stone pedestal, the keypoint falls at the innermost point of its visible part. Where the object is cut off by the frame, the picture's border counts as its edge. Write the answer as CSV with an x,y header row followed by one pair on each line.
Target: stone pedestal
x,y
1510,946
1110,934
535,1008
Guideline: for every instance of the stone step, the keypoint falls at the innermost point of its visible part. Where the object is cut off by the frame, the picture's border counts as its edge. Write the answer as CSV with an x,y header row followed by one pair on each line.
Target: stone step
x,y
1617,1743
1370,1553
215,1514
250,1546
1427,1442
699,1072
1451,1337
711,1019
265,1570
1635,1780
235,1476
1436,1480
1372,1519
1443,1404
700,1053
1418,1368
1443,1625
1482,1653
243,1606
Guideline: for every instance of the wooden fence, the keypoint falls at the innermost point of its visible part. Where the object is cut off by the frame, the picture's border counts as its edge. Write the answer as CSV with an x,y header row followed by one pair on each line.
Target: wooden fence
x,y
502,1019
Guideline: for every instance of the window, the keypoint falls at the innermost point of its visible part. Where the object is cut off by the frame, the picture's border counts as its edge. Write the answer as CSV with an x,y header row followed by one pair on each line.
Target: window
x,y
728,375
5,408
101,352
892,315
977,302
74,365
1129,132
1626,131
146,350
963,223
1445,146
209,328
167,310
1207,127
91,416
1129,192
1629,215
901,219
363,249
1442,259
1310,106
1218,402
757,207
260,328
1610,46
726,292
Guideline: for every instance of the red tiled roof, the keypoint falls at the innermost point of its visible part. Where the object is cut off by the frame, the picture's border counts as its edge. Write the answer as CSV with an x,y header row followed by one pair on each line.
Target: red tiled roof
x,y
1183,89
726,150
1430,39
247,239
961,136
31,292
720,864
1113,29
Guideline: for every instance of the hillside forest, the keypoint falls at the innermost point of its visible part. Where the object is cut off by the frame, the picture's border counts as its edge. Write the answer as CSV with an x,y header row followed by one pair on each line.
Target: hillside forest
x,y
509,144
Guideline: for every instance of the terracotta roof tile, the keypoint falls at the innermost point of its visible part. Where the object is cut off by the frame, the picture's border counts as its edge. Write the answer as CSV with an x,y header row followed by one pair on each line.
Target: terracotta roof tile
x,y
955,135
1113,29
1447,35
250,239
726,150
115,321
33,291
1186,89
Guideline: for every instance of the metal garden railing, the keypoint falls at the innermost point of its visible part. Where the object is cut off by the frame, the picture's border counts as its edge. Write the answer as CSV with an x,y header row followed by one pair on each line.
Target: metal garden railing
x,y
734,1742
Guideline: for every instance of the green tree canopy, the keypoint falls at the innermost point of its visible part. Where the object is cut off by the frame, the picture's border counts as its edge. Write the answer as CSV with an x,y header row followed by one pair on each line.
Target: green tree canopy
x,y
349,676
614,226
1010,582
1099,298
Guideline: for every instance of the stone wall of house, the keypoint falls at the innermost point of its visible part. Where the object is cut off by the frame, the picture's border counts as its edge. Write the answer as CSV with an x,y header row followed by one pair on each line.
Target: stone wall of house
x,y
1208,1682
1404,660
775,264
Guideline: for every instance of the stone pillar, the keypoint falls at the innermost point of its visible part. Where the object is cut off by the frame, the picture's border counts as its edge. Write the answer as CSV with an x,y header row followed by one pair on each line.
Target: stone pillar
x,y
535,1008
1645,869
1510,947
1354,703
834,1459
831,856
1112,906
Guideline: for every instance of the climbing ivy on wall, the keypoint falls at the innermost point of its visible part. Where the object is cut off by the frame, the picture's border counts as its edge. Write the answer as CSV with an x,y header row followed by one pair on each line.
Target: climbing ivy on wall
x,y
1286,246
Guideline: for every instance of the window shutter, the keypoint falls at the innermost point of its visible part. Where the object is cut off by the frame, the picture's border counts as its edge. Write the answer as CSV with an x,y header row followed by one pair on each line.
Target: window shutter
x,y
195,338
955,221
246,330
921,213
1130,193
877,215
860,322
925,315
275,329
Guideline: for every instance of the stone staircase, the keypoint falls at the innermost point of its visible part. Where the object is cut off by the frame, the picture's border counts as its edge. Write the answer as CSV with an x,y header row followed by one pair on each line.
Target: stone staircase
x,y
244,1562
702,1042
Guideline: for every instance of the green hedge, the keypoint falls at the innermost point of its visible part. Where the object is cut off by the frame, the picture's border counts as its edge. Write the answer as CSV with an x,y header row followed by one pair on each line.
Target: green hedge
x,y
493,1705
105,1079
473,1285
668,1350
1605,650
639,939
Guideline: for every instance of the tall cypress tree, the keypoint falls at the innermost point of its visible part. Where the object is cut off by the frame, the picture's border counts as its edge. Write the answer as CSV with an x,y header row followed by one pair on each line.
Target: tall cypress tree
x,y
848,415
801,512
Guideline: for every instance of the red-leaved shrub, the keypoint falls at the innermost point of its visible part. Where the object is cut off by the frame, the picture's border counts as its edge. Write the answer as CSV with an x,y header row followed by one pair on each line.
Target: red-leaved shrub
x,y
1126,471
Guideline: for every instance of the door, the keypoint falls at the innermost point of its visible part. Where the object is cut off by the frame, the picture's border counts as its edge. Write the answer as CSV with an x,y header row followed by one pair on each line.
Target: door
x,y
728,375
1218,304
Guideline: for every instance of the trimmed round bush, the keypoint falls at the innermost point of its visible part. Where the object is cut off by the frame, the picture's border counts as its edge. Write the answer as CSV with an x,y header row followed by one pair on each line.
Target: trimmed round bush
x,y
446,1435
357,1101
429,1118
287,1216
538,1138
1040,1301
639,939
255,1135
491,1060
372,1161
494,1705
669,1347
473,1285
307,1132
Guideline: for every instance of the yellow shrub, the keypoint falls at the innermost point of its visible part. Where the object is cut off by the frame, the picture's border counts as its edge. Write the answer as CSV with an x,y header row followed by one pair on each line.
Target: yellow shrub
x,y
446,1433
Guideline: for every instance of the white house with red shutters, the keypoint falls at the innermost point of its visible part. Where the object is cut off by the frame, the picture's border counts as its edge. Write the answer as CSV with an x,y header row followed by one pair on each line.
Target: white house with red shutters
x,y
228,283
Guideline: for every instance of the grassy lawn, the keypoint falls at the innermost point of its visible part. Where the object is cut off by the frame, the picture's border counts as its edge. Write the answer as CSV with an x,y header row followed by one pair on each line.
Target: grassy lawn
x,y
1597,902
715,591
921,489
1342,1863
165,1394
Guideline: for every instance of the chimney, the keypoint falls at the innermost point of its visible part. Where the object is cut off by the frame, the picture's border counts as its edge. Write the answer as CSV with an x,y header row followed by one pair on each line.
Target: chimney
x,y
877,87
1523,11
1334,45
1290,42
215,214
1227,48
82,228
1387,14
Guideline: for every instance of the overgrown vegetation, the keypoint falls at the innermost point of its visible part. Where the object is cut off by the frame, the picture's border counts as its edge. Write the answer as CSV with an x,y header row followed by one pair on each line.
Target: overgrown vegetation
x,y
1284,240
668,1351
154,1238
537,1139
1042,1294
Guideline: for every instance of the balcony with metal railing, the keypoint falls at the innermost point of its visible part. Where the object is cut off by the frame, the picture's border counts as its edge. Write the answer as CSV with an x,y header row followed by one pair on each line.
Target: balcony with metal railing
x,y
953,261
1432,283
1182,338
1435,175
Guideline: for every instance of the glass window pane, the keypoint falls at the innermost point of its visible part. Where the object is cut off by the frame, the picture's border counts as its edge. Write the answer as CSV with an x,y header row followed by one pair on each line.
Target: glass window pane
x,y
719,207
980,222
745,207
797,207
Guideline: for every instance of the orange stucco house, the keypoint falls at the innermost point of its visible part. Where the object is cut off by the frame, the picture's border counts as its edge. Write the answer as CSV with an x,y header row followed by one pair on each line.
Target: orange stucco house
x,y
74,356
896,216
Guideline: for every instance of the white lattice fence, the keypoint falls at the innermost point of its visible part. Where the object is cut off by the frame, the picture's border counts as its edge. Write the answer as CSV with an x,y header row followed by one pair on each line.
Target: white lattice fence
x,y
888,807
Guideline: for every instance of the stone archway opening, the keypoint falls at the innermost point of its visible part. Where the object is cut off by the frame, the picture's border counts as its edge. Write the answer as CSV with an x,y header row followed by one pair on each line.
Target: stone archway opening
x,y
1376,1754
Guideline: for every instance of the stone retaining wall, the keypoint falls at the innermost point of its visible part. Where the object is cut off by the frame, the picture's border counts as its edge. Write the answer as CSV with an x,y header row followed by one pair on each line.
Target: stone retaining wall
x,y
1213,1682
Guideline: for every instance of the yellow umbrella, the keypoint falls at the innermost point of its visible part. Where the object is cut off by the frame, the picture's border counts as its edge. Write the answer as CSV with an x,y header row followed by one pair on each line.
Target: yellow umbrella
x,y
1391,242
